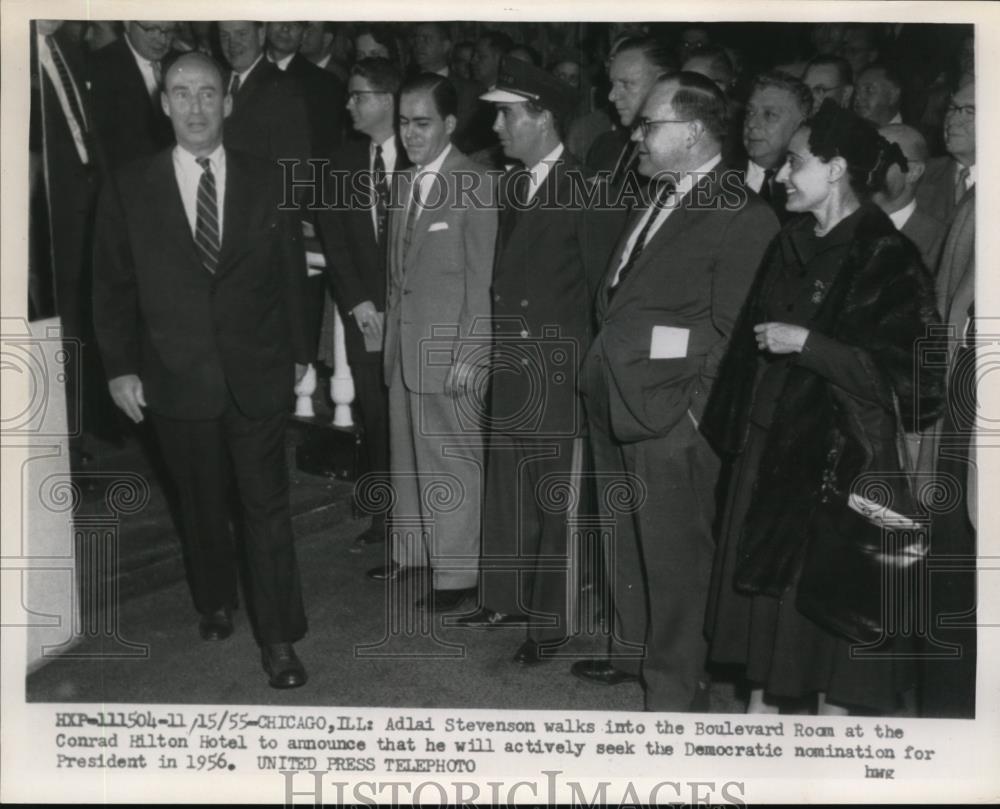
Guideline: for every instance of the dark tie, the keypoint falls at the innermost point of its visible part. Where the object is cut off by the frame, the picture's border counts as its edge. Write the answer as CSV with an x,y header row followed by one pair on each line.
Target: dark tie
x,y
67,83
411,217
766,192
380,184
206,228
158,76
234,86
517,193
640,242
960,180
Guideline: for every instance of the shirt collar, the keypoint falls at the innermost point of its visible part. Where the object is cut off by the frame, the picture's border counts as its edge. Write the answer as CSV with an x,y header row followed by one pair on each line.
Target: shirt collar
x,y
435,164
902,216
216,159
142,60
688,181
282,63
548,160
249,70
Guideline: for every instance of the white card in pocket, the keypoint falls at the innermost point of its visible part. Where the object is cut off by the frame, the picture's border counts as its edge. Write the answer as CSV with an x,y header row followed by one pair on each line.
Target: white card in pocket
x,y
668,343
437,226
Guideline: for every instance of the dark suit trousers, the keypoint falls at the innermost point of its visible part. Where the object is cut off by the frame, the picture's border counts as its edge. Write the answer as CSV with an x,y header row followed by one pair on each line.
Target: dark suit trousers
x,y
525,561
662,556
372,400
202,456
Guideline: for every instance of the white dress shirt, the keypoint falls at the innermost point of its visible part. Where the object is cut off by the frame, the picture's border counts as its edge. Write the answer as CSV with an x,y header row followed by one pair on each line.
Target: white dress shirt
x,y
75,126
538,172
244,74
755,176
902,216
683,187
281,64
431,188
145,68
188,174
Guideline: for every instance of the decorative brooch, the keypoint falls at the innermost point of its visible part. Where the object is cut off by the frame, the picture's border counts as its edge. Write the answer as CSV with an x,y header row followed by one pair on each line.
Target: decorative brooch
x,y
819,291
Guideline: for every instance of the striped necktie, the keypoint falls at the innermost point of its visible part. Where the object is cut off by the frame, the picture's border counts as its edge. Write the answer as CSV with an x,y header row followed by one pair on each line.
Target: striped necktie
x,y
380,183
206,229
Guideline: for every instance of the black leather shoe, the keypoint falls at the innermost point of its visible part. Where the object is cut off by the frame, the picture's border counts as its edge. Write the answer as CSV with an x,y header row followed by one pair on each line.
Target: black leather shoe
x,y
282,665
390,572
530,654
601,672
485,618
370,536
445,600
216,625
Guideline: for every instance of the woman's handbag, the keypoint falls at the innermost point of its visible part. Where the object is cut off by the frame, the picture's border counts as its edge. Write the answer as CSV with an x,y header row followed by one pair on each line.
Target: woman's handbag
x,y
862,559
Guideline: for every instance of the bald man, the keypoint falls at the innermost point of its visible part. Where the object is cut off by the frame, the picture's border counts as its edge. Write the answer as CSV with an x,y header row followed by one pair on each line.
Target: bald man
x,y
899,197
198,314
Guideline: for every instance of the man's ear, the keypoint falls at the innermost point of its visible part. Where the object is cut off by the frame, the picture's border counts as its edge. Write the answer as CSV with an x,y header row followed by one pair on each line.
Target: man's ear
x,y
163,103
848,96
450,122
227,105
915,171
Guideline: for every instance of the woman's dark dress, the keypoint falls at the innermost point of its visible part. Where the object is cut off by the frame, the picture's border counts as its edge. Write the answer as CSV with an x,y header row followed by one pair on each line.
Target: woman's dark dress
x,y
783,652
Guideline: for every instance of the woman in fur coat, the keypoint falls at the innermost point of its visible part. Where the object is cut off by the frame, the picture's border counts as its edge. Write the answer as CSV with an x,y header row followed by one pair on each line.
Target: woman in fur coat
x,y
804,398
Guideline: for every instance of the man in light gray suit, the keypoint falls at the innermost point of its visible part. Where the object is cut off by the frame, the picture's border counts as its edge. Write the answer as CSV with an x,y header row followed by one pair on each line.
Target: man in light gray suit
x,y
441,243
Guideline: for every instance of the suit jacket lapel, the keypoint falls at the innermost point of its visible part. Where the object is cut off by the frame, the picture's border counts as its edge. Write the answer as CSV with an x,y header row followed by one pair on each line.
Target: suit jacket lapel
x,y
236,207
423,222
171,218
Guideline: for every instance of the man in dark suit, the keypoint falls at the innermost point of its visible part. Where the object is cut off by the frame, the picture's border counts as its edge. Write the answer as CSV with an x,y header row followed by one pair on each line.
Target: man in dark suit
x,y
431,44
327,46
635,66
125,84
197,299
322,91
666,310
898,199
354,235
777,106
66,168
878,94
541,316
950,178
269,117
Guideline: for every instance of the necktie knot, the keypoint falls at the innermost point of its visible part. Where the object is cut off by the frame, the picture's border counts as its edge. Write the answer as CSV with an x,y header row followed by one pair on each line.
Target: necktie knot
x,y
204,162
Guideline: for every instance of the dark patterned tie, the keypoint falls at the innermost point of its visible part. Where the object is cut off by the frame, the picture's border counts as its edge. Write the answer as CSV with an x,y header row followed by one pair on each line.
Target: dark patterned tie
x,y
67,83
960,181
640,242
380,183
234,86
206,228
158,78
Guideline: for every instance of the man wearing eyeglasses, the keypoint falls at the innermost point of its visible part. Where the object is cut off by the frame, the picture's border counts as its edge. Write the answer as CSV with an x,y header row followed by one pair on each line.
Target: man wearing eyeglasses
x,y
950,178
829,76
665,312
125,87
355,236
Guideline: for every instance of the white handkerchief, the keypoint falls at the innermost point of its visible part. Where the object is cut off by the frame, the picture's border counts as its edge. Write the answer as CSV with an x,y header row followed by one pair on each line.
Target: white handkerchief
x,y
668,343
437,226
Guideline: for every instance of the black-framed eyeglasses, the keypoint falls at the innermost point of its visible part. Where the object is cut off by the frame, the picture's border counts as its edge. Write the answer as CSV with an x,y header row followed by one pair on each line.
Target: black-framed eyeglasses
x,y
968,110
157,31
355,95
644,125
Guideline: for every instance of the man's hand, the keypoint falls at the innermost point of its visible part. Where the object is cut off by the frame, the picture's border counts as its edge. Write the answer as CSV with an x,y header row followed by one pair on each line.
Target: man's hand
x,y
366,316
460,379
780,338
126,392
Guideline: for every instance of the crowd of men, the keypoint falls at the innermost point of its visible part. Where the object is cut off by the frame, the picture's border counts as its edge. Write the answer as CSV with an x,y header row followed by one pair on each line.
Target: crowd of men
x,y
504,345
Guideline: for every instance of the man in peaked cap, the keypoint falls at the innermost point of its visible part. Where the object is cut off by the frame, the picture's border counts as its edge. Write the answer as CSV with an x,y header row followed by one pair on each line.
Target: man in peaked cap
x,y
541,321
